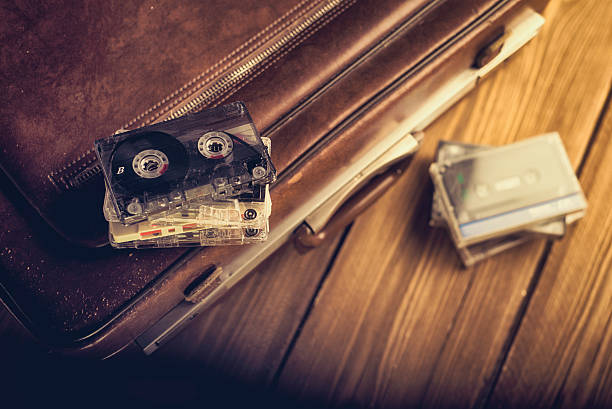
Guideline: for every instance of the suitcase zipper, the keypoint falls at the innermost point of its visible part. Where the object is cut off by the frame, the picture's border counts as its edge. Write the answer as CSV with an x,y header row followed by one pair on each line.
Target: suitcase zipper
x,y
230,80
241,66
254,61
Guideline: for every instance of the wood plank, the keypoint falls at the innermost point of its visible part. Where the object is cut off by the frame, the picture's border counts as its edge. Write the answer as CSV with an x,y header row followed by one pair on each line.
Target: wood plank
x,y
562,354
398,322
246,334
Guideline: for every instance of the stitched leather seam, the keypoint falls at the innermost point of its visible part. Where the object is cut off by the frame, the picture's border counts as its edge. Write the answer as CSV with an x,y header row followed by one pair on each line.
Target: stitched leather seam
x,y
57,177
299,40
266,63
285,19
216,75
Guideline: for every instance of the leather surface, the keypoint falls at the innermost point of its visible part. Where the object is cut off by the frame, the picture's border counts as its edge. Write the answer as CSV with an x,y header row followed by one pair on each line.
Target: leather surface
x,y
72,72
77,71
111,93
70,290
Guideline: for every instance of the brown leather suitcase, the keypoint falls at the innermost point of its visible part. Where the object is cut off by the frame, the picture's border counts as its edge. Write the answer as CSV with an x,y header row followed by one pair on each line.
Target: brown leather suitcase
x,y
342,87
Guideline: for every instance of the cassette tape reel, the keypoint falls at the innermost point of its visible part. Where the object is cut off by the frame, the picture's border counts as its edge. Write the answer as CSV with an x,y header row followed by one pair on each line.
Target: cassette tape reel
x,y
216,153
148,162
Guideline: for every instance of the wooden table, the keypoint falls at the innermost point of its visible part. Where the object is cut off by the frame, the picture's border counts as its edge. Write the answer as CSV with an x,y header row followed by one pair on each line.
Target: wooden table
x,y
385,316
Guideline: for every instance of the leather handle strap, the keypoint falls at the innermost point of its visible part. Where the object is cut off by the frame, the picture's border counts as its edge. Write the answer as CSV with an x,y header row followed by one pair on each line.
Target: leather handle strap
x,y
305,239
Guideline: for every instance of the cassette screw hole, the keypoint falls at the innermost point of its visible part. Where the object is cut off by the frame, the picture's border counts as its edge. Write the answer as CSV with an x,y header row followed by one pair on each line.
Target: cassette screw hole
x,y
250,214
250,232
134,208
259,172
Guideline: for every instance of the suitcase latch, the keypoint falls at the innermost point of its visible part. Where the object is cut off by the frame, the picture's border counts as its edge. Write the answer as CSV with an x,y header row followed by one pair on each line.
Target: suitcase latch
x,y
491,49
204,284
358,194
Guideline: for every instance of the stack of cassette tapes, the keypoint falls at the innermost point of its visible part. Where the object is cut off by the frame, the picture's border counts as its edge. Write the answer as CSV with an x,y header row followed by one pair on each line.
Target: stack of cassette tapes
x,y
492,199
200,180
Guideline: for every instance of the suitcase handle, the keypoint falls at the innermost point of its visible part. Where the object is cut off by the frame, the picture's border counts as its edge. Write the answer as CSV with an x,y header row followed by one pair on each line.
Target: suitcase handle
x,y
305,239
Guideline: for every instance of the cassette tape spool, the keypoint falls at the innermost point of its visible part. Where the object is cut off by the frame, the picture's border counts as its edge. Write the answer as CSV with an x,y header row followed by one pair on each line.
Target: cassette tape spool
x,y
216,153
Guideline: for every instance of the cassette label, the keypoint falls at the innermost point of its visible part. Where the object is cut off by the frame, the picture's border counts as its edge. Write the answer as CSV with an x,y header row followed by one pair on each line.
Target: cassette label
x,y
528,214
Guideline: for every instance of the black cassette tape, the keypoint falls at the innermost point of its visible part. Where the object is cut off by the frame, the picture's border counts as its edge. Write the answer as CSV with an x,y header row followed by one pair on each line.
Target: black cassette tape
x,y
215,153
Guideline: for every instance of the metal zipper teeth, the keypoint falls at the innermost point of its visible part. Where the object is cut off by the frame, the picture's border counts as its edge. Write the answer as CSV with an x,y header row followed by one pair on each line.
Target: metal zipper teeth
x,y
237,75
247,48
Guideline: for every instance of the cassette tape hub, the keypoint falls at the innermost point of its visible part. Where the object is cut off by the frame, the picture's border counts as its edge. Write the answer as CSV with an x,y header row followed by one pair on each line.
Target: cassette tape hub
x,y
214,153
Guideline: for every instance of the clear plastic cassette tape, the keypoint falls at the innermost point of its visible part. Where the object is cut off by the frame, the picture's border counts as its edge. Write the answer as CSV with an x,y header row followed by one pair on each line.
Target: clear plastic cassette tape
x,y
246,208
230,215
216,153
474,253
251,204
502,190
211,236
226,213
449,150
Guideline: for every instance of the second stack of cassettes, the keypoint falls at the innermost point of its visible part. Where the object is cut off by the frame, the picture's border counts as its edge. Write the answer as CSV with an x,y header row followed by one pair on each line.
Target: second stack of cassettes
x,y
492,199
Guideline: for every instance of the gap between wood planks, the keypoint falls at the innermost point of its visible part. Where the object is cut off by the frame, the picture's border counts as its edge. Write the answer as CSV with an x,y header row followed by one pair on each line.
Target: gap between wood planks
x,y
486,393
330,264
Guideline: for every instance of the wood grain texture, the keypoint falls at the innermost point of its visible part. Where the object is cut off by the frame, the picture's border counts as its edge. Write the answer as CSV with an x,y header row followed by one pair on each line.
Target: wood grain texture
x,y
398,322
246,334
562,354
